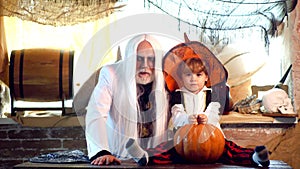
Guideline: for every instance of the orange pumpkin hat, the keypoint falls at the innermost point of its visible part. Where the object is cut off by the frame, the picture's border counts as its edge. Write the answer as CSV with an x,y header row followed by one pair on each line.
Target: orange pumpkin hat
x,y
183,51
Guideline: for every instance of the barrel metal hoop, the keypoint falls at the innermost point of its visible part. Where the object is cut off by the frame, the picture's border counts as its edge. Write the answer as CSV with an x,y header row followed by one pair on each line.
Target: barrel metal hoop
x,y
21,74
71,60
11,72
60,72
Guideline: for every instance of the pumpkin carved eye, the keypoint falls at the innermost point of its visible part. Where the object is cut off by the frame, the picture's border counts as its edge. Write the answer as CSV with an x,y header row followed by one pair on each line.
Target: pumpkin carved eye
x,y
202,143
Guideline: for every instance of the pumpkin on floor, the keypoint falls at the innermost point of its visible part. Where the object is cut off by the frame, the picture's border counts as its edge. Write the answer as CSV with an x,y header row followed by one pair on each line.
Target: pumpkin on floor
x,y
201,143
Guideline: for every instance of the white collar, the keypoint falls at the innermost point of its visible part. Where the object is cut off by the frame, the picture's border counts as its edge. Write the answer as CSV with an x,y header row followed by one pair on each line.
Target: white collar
x,y
183,89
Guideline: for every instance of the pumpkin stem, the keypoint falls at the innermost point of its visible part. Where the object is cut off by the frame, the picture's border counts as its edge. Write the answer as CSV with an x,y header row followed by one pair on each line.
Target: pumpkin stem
x,y
198,120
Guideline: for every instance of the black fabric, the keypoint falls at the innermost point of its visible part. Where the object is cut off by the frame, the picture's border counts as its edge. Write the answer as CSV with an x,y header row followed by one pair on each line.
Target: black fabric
x,y
220,93
74,156
99,154
147,114
144,98
142,161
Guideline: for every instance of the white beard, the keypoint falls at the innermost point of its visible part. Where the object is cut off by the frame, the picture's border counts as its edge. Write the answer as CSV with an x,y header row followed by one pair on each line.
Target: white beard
x,y
144,80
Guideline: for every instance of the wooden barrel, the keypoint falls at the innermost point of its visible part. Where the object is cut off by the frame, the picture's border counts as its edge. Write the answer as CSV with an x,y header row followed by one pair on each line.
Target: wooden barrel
x,y
41,75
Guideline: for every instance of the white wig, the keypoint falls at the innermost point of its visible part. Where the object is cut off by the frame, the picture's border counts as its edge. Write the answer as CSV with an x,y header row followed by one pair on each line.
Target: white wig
x,y
125,88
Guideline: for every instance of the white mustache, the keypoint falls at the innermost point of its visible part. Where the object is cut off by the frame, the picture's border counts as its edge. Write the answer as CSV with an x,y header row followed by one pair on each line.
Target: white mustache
x,y
144,71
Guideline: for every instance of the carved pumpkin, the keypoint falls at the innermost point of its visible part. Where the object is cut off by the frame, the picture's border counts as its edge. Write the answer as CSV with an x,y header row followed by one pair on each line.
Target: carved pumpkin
x,y
202,143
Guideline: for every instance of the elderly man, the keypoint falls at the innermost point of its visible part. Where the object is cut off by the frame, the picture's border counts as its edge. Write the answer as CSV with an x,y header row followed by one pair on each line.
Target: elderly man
x,y
129,101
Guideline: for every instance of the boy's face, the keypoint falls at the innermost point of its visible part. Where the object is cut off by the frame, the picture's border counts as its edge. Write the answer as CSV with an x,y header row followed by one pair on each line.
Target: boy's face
x,y
145,63
194,82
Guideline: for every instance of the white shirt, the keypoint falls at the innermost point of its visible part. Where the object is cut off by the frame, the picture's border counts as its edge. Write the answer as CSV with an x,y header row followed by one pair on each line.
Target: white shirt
x,y
194,104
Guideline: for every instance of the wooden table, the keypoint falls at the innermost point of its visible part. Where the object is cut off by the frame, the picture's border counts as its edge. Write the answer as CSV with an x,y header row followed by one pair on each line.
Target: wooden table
x,y
275,164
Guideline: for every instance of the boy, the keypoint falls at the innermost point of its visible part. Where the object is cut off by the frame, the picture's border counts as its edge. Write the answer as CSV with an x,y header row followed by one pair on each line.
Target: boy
x,y
191,104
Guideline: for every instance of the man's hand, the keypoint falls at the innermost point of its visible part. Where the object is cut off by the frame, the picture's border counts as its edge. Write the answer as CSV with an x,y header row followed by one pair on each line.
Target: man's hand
x,y
106,160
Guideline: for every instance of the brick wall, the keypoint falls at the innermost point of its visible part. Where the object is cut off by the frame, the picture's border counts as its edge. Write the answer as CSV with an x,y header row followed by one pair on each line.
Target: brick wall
x,y
18,144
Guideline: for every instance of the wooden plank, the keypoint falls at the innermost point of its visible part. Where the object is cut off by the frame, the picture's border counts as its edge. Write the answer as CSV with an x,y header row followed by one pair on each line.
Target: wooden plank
x,y
279,115
274,164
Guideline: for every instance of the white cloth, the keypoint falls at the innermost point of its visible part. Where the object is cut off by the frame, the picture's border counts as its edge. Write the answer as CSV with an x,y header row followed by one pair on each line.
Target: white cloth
x,y
111,117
